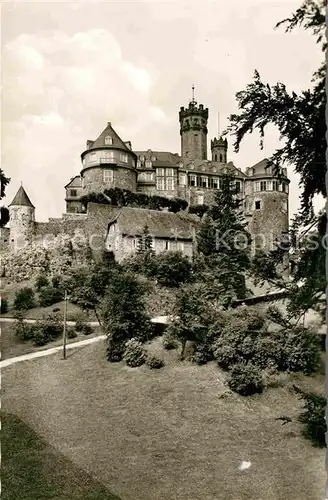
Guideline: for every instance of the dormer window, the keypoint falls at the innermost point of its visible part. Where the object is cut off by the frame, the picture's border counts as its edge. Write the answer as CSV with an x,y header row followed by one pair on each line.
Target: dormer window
x,y
149,164
108,140
142,158
153,158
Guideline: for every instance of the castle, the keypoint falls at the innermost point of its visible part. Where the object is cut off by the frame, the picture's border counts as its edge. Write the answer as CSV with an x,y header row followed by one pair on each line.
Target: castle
x,y
110,162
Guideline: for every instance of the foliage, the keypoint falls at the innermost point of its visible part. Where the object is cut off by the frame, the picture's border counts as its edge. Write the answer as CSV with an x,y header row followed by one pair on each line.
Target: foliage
x,y
134,354
300,118
203,353
313,418
297,349
169,340
50,295
3,305
46,330
172,268
23,331
86,329
123,198
199,210
246,379
124,313
24,299
4,181
154,362
41,281
71,333
4,213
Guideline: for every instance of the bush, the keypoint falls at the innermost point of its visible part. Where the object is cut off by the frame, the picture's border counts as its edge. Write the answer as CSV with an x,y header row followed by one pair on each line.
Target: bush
x,y
50,295
71,334
56,309
225,354
313,418
172,268
203,354
246,379
41,281
296,350
170,341
154,362
115,351
134,354
23,331
47,330
24,299
86,329
3,305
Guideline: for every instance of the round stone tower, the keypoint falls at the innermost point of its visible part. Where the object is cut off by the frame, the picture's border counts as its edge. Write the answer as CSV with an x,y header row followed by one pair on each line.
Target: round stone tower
x,y
266,205
108,162
22,219
193,131
219,149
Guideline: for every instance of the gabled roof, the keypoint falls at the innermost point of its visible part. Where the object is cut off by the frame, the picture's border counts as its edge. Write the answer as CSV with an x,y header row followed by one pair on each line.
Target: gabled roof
x,y
74,182
21,198
163,158
131,222
117,141
209,167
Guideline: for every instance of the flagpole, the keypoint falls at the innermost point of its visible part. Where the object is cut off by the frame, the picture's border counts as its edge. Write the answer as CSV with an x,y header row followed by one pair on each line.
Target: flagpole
x,y
65,328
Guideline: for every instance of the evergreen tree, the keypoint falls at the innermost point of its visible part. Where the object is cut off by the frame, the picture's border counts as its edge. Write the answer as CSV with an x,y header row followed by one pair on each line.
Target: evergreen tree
x,y
145,242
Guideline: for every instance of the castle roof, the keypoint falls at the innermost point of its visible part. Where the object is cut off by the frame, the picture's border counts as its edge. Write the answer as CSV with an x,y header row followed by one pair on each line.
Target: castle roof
x,y
116,140
74,182
262,169
21,198
163,158
131,222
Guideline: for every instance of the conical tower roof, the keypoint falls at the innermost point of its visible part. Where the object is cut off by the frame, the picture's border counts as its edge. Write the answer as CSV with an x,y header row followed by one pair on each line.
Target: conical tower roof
x,y
21,198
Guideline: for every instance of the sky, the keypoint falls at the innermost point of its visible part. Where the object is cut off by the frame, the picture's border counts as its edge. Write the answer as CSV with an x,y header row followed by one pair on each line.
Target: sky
x,y
68,68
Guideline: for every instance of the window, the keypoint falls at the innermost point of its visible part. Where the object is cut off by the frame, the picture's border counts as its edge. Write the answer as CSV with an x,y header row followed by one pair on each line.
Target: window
x,y
108,140
124,157
160,184
148,176
92,157
160,172
263,186
204,156
153,158
285,187
192,180
73,192
269,185
215,157
257,186
170,183
204,182
142,158
187,154
83,161
149,164
284,206
169,172
107,175
238,186
275,185
182,179
107,155
180,246
167,245
198,181
215,182
257,205
200,199
221,158
138,164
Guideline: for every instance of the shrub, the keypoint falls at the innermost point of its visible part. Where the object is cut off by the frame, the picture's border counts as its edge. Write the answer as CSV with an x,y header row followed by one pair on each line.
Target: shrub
x,y
56,281
169,340
203,354
3,305
24,299
115,351
41,281
134,354
154,362
23,331
313,418
246,379
50,295
56,309
225,354
296,349
47,330
71,334
172,268
86,329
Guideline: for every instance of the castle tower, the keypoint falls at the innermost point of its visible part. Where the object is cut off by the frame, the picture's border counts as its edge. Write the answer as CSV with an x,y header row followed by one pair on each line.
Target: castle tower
x,y
22,218
266,204
219,149
108,162
193,130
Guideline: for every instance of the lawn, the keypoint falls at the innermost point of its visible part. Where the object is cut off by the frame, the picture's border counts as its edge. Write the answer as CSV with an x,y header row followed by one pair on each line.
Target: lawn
x,y
32,469
168,434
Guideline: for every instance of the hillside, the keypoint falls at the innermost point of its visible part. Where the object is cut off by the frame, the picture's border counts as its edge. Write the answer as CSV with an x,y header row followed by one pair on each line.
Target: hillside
x,y
172,433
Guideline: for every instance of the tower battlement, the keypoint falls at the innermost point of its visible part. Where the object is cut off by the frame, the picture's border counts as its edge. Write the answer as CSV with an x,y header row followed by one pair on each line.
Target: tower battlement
x,y
193,110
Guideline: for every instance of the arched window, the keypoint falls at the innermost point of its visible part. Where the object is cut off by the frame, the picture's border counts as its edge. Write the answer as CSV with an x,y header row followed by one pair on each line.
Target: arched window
x,y
221,158
215,157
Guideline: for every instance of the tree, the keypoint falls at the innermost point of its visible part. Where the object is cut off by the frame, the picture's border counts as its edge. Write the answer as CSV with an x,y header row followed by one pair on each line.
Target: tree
x,y
123,313
300,118
4,210
145,242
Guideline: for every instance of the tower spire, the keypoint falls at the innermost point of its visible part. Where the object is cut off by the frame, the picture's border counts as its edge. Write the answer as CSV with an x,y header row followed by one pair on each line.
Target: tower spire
x,y
193,95
219,132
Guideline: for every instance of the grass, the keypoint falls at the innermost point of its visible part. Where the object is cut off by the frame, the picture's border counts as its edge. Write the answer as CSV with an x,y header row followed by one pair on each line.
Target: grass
x,y
169,433
11,346
32,469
